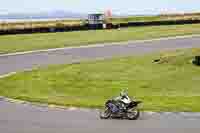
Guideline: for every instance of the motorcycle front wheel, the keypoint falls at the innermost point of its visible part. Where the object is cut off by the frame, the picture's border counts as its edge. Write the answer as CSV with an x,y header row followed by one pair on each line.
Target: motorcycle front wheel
x,y
105,114
133,114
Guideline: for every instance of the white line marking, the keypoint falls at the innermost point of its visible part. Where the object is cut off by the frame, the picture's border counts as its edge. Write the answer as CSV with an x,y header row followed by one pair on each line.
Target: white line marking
x,y
168,113
13,73
7,75
190,114
150,113
99,45
72,108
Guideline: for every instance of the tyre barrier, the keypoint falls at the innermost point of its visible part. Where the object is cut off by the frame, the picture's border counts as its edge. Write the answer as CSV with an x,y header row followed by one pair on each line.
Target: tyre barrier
x,y
96,26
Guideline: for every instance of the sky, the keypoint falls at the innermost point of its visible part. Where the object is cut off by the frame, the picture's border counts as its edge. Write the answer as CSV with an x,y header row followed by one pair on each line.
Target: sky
x,y
91,6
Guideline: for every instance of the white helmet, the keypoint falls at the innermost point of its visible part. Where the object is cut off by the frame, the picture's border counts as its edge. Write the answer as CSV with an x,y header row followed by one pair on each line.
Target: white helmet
x,y
124,92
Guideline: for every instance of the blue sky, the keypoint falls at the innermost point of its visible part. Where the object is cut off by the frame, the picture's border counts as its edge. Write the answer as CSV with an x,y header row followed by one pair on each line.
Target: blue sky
x,y
85,6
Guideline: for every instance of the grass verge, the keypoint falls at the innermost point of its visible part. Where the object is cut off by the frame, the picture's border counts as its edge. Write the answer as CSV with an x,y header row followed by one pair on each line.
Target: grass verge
x,y
19,43
172,84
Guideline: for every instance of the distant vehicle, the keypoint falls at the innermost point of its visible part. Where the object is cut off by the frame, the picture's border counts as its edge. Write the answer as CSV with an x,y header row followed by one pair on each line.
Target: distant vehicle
x,y
121,107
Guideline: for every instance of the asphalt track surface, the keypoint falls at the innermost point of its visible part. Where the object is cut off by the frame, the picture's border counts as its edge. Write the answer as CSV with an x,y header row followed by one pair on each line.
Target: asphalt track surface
x,y
26,118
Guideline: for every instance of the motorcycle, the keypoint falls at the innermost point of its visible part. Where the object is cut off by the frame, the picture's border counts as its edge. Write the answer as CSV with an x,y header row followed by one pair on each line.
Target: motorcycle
x,y
125,108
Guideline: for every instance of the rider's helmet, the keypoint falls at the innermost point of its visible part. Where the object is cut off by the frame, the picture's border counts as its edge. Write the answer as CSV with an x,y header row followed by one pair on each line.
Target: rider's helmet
x,y
124,92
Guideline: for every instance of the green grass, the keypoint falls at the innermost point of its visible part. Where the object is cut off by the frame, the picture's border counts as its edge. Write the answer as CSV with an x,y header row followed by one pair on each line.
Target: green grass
x,y
18,43
169,85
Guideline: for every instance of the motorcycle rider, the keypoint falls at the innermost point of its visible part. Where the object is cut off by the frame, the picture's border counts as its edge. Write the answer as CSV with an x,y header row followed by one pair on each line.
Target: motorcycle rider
x,y
123,100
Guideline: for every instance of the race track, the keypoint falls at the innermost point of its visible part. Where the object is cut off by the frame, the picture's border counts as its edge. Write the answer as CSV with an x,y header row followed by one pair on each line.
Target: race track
x,y
26,118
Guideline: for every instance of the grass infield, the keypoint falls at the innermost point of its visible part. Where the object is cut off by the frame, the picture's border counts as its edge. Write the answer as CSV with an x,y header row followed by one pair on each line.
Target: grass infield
x,y
171,84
